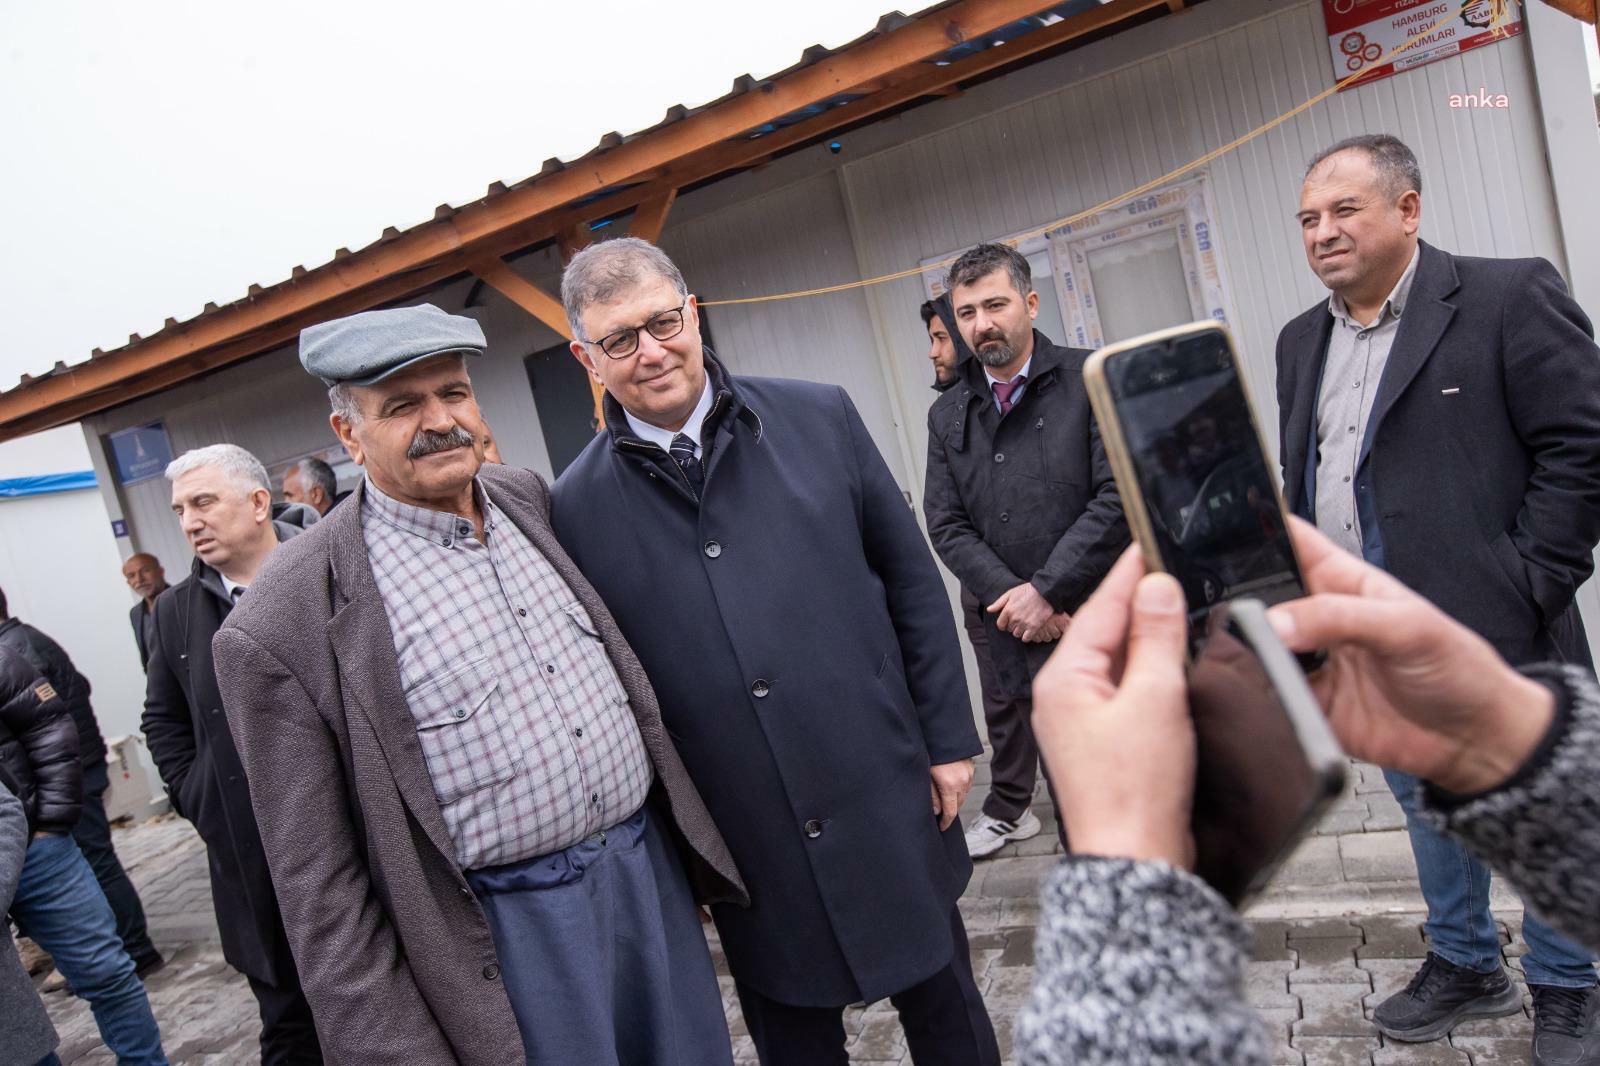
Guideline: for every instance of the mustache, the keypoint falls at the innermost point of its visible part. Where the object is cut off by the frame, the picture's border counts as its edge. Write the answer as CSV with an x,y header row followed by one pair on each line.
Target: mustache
x,y
427,442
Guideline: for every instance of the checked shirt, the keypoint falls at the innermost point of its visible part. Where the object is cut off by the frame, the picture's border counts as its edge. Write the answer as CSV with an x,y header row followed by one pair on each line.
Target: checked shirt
x,y
523,722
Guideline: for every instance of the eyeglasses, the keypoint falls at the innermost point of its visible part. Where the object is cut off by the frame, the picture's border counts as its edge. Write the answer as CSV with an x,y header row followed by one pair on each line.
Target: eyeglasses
x,y
663,326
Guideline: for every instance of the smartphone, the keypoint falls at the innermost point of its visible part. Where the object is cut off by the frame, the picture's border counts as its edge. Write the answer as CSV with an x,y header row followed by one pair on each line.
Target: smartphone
x,y
1192,469
1267,764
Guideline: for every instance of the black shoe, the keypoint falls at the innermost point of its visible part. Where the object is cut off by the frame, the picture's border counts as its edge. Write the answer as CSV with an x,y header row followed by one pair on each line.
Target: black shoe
x,y
1566,1026
148,965
1442,994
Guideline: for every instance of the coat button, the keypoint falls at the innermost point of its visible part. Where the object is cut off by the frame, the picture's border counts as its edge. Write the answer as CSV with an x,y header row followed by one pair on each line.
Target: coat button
x,y
713,549
813,829
466,893
999,457
1005,516
491,971
760,689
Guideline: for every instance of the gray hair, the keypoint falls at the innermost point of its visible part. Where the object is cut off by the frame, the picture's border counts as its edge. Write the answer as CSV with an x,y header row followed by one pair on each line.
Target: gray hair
x,y
242,468
316,472
602,272
1395,164
985,259
342,399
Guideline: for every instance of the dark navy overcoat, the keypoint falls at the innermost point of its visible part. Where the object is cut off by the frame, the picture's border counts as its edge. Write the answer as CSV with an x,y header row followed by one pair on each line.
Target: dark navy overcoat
x,y
804,652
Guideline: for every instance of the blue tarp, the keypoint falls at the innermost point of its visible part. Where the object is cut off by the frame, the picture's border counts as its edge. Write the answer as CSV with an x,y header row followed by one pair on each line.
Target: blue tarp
x,y
11,488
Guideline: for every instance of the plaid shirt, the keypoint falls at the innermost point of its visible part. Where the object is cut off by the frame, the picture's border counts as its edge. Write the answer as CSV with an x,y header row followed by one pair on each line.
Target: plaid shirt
x,y
523,721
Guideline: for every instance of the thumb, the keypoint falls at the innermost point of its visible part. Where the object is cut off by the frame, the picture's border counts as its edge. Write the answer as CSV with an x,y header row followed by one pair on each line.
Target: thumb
x,y
1158,634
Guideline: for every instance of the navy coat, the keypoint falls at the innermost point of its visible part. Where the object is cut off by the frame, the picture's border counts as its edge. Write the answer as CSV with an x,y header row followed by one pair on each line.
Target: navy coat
x,y
804,652
1478,482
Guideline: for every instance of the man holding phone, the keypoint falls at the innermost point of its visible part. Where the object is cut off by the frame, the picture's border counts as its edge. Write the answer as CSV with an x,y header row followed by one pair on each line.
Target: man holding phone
x,y
1440,418
1021,504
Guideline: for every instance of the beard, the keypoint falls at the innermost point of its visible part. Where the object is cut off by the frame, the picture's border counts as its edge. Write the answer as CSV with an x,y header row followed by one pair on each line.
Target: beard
x,y
993,349
427,442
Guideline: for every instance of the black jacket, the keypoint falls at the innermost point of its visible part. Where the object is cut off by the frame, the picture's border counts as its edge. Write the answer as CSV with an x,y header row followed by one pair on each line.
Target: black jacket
x,y
802,647
136,616
1479,478
51,660
38,747
192,747
1028,497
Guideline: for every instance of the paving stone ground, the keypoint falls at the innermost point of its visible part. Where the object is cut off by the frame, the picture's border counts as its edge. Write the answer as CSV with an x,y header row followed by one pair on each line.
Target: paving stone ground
x,y
1338,931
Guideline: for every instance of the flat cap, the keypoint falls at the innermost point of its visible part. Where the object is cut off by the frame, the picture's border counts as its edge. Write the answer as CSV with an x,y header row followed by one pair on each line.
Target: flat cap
x,y
366,348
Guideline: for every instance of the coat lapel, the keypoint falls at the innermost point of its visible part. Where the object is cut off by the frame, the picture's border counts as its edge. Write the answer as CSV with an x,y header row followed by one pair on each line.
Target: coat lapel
x,y
1423,320
1309,350
369,671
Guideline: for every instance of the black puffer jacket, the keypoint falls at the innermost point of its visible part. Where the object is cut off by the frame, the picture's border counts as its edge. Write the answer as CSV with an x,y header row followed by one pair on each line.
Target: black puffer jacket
x,y
52,660
39,747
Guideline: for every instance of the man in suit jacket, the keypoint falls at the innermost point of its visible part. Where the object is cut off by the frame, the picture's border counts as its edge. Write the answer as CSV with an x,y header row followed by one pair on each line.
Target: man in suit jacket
x,y
760,558
1021,505
144,574
450,749
1440,417
223,500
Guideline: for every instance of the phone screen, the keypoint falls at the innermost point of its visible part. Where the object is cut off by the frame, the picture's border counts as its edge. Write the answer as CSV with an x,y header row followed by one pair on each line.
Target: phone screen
x,y
1205,481
1256,787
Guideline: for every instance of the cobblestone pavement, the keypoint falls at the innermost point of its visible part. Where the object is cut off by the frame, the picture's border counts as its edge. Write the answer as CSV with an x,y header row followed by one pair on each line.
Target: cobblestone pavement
x,y
1338,931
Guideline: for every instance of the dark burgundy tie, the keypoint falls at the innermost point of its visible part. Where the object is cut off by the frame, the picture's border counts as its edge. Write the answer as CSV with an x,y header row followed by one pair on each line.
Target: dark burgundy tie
x,y
1005,390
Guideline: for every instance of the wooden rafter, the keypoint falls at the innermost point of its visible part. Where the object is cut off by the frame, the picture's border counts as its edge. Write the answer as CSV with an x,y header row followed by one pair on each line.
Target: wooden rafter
x,y
650,216
691,150
499,276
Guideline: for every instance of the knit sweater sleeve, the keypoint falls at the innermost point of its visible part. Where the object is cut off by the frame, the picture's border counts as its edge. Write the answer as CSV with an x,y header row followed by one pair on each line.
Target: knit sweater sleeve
x,y
1137,962
1542,828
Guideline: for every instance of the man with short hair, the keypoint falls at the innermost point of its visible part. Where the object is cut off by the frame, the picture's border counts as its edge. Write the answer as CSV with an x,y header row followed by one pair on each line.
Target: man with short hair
x,y
476,822
311,481
1440,417
92,831
760,558
1021,505
223,502
144,574
58,903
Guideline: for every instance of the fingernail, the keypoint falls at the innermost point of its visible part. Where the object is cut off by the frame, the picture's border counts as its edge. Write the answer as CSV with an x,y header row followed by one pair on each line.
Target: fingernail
x,y
1282,624
1158,594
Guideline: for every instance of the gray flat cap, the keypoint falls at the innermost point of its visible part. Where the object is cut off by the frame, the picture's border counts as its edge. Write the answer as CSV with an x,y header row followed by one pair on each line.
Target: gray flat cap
x,y
366,348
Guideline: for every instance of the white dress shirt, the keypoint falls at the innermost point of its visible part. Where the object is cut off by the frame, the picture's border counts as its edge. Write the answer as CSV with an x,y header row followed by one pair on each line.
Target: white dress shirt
x,y
662,438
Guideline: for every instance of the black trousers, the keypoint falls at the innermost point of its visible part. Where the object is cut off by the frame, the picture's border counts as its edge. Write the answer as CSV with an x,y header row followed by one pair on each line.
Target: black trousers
x,y
93,834
944,1018
288,1035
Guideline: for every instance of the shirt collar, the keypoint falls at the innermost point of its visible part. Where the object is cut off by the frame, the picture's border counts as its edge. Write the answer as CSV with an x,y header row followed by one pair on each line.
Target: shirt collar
x,y
993,381
438,527
1395,305
663,437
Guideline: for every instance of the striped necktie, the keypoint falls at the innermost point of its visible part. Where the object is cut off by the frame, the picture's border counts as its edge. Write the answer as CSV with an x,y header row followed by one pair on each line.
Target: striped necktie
x,y
682,452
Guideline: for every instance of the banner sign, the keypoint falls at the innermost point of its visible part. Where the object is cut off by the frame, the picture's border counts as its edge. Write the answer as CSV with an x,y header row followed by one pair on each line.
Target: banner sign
x,y
141,453
1362,32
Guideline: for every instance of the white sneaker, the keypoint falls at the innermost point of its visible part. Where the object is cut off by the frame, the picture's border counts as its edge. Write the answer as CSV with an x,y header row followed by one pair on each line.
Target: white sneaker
x,y
988,835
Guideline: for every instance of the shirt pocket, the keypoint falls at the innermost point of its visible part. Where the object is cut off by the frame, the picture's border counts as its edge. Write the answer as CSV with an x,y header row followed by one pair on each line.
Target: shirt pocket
x,y
588,649
466,740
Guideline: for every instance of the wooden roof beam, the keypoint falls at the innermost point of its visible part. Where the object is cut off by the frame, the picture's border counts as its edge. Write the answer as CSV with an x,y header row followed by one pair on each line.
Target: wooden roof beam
x,y
499,276
650,216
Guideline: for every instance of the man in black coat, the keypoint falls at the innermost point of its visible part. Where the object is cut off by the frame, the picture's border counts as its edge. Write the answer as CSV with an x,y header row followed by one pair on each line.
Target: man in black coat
x,y
1440,417
1021,505
223,501
146,577
93,830
58,903
760,559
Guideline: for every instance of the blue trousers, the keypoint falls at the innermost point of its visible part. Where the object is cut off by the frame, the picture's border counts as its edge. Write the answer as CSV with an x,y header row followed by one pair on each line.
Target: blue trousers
x,y
93,834
1460,928
603,956
59,905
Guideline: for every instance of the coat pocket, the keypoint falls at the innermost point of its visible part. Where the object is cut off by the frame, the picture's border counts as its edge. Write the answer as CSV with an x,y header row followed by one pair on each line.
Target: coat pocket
x,y
465,740
1505,553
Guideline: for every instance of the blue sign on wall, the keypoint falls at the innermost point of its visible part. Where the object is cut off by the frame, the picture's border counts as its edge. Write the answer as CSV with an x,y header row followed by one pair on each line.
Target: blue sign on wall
x,y
140,453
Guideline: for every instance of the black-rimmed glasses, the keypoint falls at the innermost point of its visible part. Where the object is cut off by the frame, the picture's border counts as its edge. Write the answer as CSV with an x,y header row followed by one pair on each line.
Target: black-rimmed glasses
x,y
663,326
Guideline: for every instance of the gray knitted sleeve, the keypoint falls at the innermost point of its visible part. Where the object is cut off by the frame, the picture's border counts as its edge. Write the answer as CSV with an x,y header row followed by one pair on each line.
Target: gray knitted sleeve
x,y
1137,962
1542,829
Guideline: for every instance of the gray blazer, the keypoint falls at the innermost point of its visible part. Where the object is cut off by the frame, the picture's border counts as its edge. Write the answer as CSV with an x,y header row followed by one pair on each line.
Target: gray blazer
x,y
392,948
26,1034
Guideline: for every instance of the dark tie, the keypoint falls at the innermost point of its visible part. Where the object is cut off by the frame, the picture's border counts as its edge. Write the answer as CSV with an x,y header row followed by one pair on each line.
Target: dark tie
x,y
683,454
1005,390
238,590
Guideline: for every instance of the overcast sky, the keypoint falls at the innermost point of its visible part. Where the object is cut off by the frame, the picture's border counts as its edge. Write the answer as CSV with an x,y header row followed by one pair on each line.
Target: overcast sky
x,y
161,154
